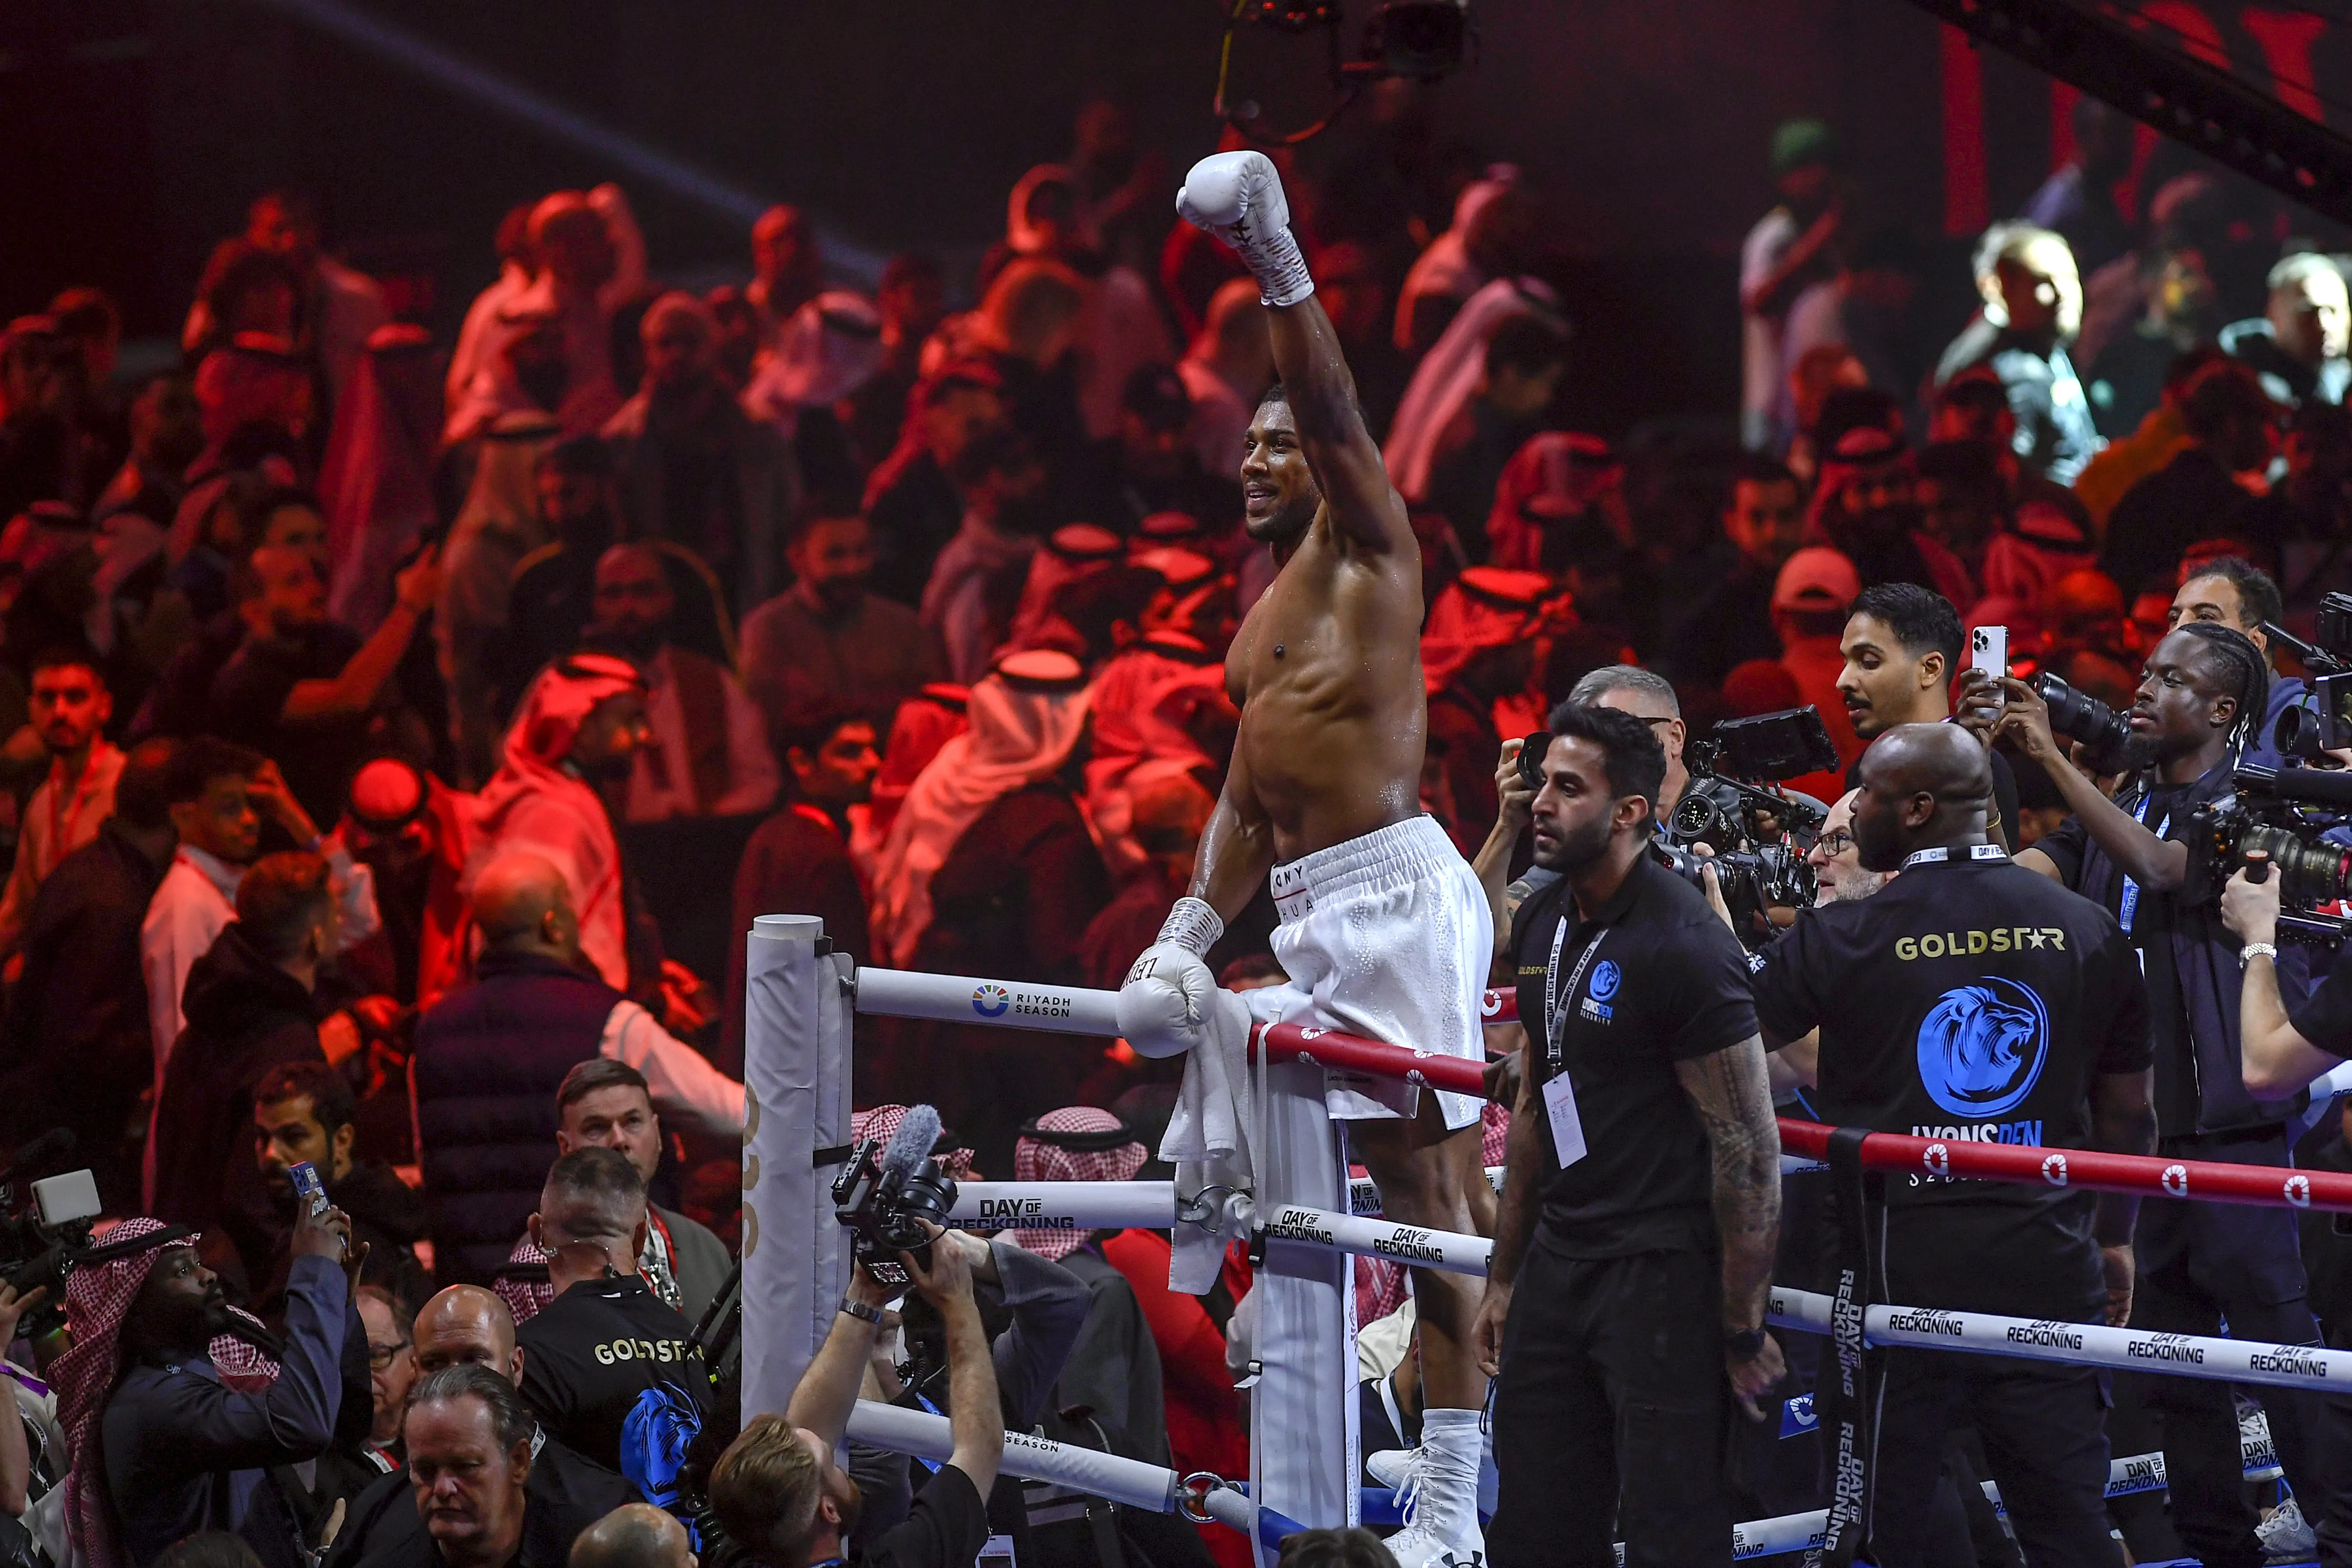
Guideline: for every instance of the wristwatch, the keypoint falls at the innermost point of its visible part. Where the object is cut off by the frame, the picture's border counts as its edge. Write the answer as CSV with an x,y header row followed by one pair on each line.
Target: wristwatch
x,y
857,1309
2247,954
1747,1345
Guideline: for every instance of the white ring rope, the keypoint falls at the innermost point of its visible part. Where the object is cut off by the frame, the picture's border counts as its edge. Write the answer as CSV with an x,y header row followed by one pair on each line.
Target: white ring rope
x,y
2077,1344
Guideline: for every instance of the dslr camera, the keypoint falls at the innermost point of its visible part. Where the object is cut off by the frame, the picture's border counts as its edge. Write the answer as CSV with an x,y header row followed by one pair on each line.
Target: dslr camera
x,y
1759,838
2281,813
881,1201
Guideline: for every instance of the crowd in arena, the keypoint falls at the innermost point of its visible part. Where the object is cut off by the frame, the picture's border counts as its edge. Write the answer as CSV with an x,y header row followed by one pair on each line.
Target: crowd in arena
x,y
357,685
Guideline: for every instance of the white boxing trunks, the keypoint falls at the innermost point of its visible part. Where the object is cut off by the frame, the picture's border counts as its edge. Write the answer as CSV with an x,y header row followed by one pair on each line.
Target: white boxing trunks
x,y
1388,936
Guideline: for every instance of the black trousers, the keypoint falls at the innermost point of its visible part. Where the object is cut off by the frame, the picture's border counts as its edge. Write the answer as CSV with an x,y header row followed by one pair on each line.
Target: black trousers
x,y
2045,1434
2200,1266
1610,1414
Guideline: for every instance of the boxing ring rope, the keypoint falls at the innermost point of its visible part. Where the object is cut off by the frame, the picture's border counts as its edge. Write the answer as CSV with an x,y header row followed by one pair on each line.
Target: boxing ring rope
x,y
823,987
1028,1457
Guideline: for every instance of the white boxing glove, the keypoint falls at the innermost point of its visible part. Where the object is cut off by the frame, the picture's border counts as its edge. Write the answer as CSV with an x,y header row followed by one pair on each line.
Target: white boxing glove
x,y
1169,998
1237,196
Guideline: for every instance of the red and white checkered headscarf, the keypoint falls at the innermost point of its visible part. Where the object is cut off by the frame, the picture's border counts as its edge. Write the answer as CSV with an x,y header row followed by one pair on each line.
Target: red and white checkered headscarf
x,y
98,1299
1036,1159
882,1123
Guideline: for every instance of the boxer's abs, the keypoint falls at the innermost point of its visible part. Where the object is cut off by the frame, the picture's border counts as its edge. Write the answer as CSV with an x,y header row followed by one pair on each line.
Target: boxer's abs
x,y
1333,716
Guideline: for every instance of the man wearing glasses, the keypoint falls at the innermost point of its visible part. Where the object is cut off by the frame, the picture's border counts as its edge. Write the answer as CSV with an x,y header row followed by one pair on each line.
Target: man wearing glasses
x,y
391,1364
1650,697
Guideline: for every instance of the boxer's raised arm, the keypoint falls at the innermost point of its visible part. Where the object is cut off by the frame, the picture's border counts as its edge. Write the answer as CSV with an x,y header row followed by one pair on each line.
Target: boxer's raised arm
x,y
1364,506
1237,196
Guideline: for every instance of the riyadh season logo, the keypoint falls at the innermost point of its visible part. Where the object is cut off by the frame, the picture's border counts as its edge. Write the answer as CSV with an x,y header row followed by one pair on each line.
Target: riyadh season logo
x,y
991,1000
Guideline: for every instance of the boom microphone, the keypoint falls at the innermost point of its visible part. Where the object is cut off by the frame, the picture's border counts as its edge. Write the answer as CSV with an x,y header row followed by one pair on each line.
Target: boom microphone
x,y
59,1141
911,1144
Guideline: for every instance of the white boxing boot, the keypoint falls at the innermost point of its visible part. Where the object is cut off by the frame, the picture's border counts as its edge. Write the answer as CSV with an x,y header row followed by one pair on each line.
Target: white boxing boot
x,y
1441,1499
1237,196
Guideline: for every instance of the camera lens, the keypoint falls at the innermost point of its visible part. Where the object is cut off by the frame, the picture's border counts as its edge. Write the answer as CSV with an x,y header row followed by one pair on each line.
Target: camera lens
x,y
2297,733
2309,873
2107,739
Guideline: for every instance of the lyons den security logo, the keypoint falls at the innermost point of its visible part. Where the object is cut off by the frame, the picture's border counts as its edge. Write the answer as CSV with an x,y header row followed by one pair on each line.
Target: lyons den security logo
x,y
1981,1050
1606,978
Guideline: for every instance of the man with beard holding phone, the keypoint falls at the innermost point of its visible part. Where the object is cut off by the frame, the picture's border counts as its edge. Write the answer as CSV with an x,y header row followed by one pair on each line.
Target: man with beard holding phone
x,y
1970,1001
170,1429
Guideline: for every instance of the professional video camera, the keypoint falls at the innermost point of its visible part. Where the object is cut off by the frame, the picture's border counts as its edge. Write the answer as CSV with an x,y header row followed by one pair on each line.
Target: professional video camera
x,y
45,1233
2281,813
1758,838
882,1193
2108,745
2322,722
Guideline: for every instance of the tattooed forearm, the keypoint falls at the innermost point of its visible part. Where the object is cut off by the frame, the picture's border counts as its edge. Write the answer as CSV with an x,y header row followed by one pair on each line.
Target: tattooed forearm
x,y
1730,1091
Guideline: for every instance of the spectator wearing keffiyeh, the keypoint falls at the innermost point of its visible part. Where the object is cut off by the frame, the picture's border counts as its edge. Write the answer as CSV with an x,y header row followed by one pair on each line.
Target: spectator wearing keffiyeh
x,y
1479,660
161,1378
1108,1393
546,797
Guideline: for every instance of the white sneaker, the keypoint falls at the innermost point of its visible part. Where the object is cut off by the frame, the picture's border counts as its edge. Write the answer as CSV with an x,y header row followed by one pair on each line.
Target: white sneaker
x,y
1438,1492
2285,1535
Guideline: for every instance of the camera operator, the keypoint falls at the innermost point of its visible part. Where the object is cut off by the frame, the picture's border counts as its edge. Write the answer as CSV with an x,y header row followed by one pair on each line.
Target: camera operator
x,y
1632,1257
780,1490
1902,644
166,1439
2283,1047
2201,1265
1961,991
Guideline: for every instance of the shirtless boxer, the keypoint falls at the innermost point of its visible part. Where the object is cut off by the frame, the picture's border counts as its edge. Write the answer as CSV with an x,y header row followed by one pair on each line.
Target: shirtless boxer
x,y
1385,930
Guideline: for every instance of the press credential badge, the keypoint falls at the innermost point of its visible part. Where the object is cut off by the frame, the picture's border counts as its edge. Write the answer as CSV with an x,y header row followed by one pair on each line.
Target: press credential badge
x,y
1566,1126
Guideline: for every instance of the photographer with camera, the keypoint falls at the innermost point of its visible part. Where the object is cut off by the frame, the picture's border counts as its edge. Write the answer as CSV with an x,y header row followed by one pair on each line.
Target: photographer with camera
x,y
2203,690
780,1490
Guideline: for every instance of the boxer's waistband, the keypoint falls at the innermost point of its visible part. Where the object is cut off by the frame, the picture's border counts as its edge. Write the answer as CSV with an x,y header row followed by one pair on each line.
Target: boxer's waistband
x,y
1403,851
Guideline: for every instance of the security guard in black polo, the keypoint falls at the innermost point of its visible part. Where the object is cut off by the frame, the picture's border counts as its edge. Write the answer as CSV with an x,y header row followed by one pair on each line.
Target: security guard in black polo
x,y
1624,1309
1972,1001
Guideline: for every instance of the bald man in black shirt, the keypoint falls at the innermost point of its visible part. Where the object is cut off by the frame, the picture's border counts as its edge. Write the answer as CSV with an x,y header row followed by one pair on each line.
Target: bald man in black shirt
x,y
1970,999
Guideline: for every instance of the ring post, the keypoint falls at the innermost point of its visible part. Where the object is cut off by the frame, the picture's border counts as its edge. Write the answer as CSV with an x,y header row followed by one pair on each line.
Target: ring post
x,y
1304,1438
796,1087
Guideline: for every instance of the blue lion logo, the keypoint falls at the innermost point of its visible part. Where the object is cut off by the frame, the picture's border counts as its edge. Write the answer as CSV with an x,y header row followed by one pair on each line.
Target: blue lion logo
x,y
1981,1047
1604,980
